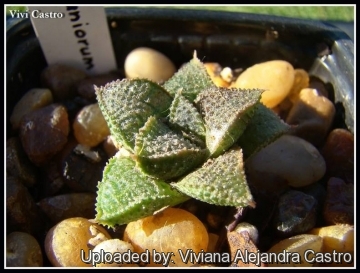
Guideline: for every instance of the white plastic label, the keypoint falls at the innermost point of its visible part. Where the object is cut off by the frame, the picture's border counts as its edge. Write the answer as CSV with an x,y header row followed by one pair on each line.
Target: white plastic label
x,y
74,35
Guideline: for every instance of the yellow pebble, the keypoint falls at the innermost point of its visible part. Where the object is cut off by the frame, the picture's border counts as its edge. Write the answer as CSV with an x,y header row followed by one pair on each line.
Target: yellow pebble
x,y
296,247
336,237
90,127
170,231
64,242
214,70
301,81
275,77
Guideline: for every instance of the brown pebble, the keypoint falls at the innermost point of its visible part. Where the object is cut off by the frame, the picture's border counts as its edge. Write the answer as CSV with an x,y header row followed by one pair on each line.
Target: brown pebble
x,y
22,214
318,191
312,116
62,80
295,214
18,164
339,202
110,146
23,250
338,153
44,133
79,172
85,87
242,242
51,178
64,206
33,99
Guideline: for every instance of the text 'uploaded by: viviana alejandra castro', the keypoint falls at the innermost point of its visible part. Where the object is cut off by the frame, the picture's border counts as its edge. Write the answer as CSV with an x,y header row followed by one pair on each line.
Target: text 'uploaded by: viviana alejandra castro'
x,y
189,256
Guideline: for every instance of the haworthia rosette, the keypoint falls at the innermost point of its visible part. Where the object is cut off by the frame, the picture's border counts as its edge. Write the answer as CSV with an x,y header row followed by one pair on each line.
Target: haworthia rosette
x,y
164,128
125,194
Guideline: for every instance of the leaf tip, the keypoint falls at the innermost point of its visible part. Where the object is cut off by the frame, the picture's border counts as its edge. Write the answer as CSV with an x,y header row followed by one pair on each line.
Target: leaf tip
x,y
195,55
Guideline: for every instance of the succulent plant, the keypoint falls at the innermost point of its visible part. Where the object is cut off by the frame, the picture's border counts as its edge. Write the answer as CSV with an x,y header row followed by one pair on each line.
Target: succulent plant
x,y
186,139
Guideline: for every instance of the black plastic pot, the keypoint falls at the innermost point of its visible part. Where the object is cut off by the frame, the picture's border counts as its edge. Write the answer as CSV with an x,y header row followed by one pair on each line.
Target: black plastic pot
x,y
232,39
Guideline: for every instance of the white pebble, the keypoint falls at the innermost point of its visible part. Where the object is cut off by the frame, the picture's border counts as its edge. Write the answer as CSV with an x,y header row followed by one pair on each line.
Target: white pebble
x,y
290,158
148,63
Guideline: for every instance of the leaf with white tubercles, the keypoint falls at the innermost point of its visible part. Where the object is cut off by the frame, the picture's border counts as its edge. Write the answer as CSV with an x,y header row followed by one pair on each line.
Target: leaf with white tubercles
x,y
191,79
125,194
185,116
226,113
220,181
127,104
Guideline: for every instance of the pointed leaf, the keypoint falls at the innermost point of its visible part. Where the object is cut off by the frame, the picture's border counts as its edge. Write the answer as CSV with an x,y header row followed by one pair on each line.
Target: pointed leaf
x,y
191,79
220,181
125,194
185,116
264,127
164,154
226,113
127,104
